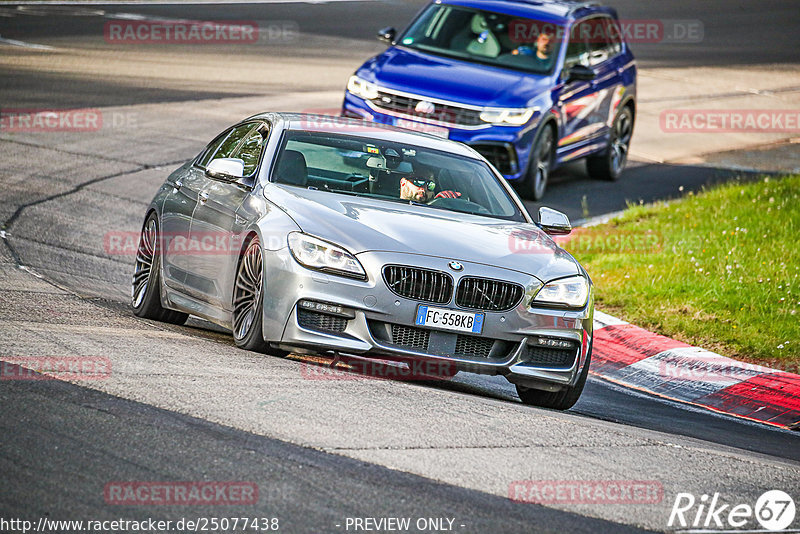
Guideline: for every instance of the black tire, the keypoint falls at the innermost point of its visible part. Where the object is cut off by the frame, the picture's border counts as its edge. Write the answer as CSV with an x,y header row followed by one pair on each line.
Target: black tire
x,y
248,301
559,400
146,282
610,164
540,165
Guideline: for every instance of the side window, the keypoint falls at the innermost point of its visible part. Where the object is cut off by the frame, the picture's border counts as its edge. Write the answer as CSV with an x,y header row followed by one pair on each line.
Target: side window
x,y
212,149
615,37
250,151
231,143
601,46
578,47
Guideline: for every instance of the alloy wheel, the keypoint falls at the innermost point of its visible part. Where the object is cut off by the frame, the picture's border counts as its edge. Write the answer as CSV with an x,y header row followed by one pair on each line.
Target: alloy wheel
x,y
247,294
622,139
145,263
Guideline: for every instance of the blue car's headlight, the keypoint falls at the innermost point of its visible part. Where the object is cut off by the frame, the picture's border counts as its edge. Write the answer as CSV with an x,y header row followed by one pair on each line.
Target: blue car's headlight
x,y
363,88
317,254
508,117
572,292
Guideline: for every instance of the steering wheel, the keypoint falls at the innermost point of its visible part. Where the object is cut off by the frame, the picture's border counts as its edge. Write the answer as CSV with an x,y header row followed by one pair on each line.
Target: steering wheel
x,y
459,204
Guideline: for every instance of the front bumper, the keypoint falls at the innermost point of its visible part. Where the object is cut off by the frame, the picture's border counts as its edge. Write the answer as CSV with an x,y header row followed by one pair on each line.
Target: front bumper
x,y
506,147
505,346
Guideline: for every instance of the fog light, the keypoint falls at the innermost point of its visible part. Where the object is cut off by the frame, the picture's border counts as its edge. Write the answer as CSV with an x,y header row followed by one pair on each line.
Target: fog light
x,y
326,308
552,343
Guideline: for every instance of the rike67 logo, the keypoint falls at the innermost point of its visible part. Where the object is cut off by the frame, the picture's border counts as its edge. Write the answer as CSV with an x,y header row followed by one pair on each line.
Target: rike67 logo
x,y
774,511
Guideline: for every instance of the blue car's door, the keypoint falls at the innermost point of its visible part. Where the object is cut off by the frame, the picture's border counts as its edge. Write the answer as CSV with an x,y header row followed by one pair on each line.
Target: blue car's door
x,y
584,105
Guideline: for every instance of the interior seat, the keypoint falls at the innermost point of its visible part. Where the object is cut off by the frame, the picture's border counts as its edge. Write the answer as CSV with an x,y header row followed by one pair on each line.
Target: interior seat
x,y
293,168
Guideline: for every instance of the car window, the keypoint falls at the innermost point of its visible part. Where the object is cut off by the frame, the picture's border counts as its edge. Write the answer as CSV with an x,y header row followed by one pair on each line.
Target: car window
x,y
211,149
231,143
487,37
615,37
602,36
250,151
393,172
578,47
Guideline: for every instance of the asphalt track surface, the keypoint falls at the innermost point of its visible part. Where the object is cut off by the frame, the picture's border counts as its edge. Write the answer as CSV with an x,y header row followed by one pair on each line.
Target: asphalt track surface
x,y
62,442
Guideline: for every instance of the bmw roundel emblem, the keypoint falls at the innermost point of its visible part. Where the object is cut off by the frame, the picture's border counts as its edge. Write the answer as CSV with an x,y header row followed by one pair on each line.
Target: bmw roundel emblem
x,y
455,266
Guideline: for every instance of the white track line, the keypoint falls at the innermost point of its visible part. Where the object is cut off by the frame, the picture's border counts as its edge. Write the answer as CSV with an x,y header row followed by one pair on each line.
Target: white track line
x,y
14,42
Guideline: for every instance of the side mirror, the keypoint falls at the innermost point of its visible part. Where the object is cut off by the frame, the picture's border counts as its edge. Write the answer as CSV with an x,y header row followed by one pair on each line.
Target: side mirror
x,y
581,73
227,169
554,222
387,35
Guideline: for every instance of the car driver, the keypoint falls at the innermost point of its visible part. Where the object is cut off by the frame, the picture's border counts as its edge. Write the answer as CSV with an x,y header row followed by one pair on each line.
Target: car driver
x,y
418,189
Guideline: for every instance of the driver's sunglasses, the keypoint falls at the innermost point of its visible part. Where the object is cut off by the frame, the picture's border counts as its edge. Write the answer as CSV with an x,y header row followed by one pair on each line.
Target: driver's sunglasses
x,y
430,185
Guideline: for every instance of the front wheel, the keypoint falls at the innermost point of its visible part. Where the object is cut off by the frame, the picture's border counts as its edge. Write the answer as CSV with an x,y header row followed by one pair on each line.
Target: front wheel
x,y
248,301
559,400
609,165
541,164
146,283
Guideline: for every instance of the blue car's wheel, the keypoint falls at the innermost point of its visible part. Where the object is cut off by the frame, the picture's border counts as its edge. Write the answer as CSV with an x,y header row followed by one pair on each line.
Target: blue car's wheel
x,y
541,163
610,164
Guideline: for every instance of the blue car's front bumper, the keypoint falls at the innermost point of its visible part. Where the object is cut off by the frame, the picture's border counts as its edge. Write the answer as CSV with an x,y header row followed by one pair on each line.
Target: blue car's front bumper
x,y
506,147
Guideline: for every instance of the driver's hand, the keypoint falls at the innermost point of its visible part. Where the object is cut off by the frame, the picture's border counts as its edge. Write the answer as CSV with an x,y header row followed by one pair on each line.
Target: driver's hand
x,y
448,194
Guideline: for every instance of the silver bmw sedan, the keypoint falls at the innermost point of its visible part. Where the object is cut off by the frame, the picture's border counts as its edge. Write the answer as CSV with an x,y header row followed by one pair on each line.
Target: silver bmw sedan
x,y
314,234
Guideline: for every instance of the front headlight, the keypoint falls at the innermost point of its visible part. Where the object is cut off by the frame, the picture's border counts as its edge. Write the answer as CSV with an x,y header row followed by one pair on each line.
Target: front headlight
x,y
363,88
509,117
572,292
323,256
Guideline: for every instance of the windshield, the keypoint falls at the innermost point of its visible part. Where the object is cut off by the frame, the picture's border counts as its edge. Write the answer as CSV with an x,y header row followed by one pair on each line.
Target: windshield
x,y
486,37
393,172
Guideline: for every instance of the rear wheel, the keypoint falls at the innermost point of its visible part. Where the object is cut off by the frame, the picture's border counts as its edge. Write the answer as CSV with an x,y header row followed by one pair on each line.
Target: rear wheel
x,y
248,301
146,283
540,165
610,164
559,400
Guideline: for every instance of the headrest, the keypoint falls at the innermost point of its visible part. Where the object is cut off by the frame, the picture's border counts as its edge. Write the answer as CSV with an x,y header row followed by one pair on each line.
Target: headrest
x,y
293,169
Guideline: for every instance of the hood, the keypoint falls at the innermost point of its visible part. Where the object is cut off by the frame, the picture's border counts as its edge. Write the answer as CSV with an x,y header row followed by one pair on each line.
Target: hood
x,y
363,225
476,84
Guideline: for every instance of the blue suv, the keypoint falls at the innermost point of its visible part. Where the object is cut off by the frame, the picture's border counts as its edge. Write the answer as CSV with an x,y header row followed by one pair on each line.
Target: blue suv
x,y
528,84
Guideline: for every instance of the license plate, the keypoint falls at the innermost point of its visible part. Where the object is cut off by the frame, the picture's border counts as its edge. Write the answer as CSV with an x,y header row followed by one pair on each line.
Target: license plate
x,y
421,127
449,319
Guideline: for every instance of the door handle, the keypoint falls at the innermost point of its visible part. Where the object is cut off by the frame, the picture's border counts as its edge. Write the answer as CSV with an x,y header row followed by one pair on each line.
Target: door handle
x,y
203,197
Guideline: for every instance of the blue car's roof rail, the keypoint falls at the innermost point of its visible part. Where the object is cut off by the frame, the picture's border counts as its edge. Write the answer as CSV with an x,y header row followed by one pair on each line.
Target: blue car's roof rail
x,y
581,5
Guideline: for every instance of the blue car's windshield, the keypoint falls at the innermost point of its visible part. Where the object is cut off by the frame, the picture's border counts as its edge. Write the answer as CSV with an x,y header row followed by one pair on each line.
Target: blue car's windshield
x,y
391,171
486,37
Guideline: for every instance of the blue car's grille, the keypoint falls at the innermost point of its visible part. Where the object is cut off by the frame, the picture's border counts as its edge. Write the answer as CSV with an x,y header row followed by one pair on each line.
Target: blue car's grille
x,y
487,294
419,284
442,113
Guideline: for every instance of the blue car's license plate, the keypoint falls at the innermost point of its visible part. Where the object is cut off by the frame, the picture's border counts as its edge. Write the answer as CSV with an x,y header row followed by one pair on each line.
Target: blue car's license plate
x,y
449,319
